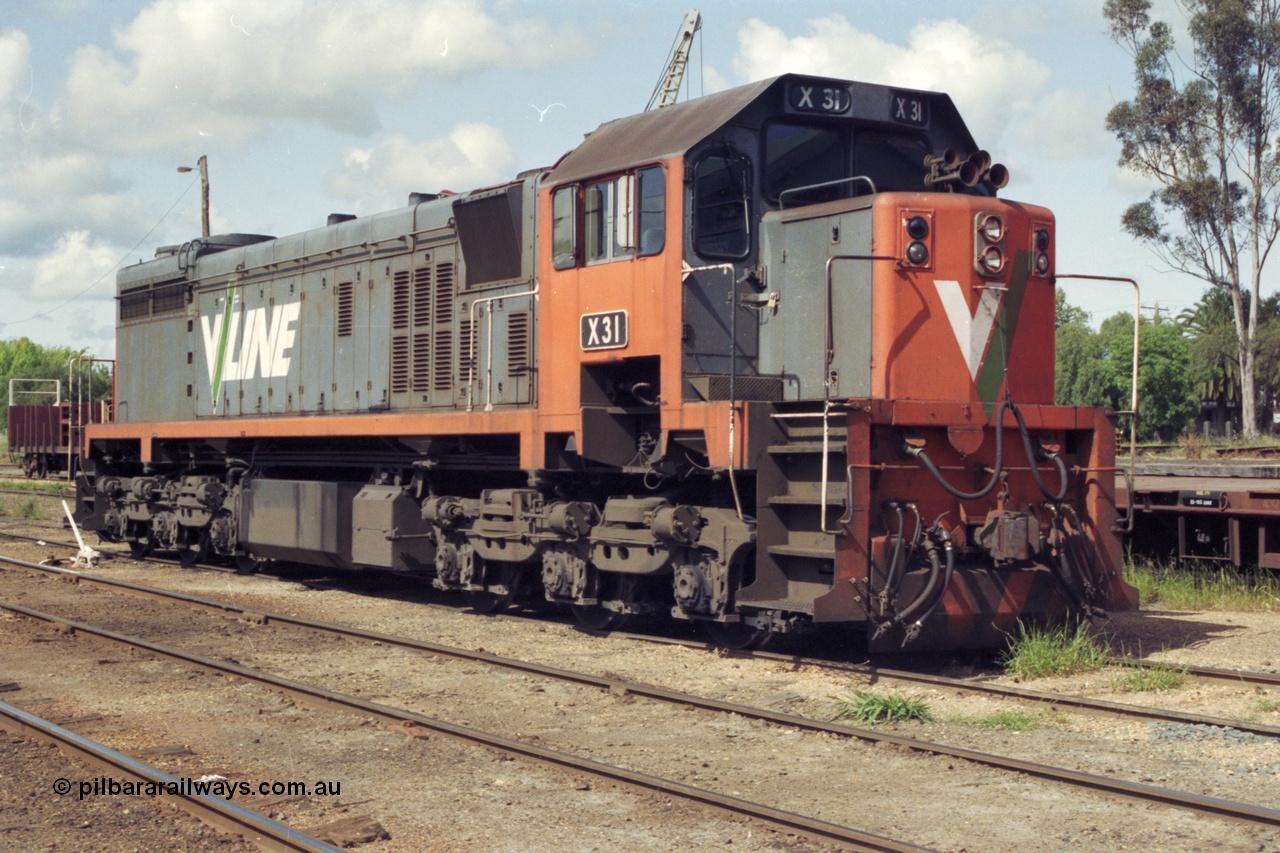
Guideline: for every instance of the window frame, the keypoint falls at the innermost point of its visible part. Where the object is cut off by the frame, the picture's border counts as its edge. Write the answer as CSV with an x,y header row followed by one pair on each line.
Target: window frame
x,y
729,156
609,222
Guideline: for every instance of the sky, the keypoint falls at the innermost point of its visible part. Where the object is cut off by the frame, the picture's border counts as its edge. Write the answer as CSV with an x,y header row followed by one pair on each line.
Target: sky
x,y
311,107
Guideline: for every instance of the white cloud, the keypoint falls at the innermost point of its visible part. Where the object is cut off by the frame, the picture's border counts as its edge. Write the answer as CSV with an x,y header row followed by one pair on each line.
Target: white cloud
x,y
15,70
227,68
988,78
1065,126
381,177
75,264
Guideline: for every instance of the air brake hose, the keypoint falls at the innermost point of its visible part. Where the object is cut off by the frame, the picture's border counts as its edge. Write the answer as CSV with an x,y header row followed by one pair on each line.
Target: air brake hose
x,y
1033,456
914,630
935,572
924,459
895,564
1089,572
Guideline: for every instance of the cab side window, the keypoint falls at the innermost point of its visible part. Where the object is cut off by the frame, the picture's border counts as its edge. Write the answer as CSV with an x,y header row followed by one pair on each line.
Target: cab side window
x,y
564,227
608,208
621,217
653,210
720,213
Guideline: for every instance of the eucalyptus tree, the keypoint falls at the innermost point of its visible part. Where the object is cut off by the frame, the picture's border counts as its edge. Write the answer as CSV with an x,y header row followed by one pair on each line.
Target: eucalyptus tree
x,y
1204,127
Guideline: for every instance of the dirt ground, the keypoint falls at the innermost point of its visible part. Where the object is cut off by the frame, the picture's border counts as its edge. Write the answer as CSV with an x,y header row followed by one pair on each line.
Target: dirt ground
x,y
441,794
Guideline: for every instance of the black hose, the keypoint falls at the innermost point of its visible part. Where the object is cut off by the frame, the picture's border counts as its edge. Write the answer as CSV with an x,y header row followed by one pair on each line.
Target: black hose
x,y
1089,570
914,630
1033,460
924,459
935,572
891,577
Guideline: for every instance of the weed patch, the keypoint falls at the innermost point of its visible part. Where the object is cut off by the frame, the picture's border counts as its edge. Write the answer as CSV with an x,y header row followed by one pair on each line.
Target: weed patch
x,y
1040,652
1200,587
1140,679
1007,721
860,707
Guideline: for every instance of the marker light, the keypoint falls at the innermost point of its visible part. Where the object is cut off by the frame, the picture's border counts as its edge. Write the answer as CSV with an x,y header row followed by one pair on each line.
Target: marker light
x,y
992,228
992,261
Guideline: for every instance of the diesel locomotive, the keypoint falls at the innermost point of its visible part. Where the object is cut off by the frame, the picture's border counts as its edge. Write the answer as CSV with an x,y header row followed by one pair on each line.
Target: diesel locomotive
x,y
773,359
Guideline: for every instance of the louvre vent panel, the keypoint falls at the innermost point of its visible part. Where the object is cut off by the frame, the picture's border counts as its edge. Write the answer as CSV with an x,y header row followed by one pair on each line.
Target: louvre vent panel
x,y
443,367
422,362
400,295
346,306
444,294
518,343
422,296
399,364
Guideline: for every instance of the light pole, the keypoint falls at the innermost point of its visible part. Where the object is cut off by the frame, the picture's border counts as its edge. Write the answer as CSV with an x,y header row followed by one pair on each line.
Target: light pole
x,y
203,165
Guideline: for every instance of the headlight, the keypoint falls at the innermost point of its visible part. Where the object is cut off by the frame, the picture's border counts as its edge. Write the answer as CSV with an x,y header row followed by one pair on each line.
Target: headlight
x,y
918,228
992,261
992,228
917,253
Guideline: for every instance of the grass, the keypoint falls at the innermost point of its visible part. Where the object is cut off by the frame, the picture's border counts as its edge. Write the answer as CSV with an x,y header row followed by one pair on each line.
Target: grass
x,y
56,488
862,707
27,510
1040,652
30,511
1007,721
1141,679
1201,587
1264,705
1193,445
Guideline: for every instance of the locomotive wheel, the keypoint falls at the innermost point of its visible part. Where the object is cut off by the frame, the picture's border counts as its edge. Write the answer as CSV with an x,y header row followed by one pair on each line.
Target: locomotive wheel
x,y
138,550
247,564
596,618
736,635
486,601
194,553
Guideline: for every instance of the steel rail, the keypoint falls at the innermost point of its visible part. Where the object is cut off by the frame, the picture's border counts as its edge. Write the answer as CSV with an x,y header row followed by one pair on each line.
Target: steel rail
x,y
1268,679
212,810
321,697
1149,793
1054,699
872,672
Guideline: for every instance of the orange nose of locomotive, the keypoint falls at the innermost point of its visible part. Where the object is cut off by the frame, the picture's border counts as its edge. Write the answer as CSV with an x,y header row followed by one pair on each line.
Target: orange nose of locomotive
x,y
968,306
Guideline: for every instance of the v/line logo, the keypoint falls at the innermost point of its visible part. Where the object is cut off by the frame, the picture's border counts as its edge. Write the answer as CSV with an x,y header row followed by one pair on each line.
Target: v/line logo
x,y
244,344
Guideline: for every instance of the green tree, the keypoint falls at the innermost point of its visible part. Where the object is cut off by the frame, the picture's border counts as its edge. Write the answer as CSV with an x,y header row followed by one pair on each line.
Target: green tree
x,y
1215,366
1065,313
1096,369
24,359
1167,398
1208,140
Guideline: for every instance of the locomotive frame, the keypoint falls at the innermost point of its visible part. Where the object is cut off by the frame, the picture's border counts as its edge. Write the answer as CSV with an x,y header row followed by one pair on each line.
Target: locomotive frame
x,y
755,360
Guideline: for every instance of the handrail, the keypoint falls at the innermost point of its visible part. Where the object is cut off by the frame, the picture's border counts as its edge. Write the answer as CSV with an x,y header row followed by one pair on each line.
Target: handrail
x,y
1133,404
782,194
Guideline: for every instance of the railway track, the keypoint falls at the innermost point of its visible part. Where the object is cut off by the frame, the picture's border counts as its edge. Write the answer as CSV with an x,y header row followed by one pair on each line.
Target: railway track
x,y
215,811
1116,787
871,672
321,697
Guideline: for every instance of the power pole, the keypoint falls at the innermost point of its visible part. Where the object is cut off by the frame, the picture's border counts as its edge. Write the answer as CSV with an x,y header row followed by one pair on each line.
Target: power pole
x,y
203,165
